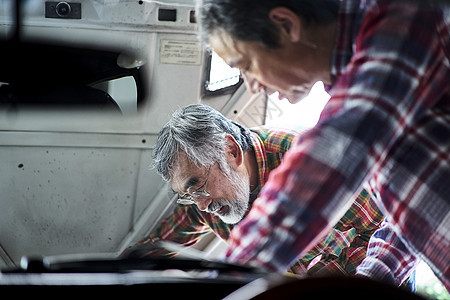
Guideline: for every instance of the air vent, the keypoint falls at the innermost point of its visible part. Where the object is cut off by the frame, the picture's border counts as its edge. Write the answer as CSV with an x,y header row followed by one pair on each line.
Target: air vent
x,y
165,14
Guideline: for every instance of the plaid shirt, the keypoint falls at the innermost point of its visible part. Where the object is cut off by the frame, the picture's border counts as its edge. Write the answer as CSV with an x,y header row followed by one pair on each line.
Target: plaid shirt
x,y
387,123
340,251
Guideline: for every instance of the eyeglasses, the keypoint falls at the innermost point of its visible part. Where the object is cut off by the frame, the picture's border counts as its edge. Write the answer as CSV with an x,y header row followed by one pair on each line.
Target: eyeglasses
x,y
188,197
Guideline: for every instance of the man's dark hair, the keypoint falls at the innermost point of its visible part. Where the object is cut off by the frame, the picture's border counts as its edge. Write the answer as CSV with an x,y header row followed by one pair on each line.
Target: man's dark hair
x,y
248,20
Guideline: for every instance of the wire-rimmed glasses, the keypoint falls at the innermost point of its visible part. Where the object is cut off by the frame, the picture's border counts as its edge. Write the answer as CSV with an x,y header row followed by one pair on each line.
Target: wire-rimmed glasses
x,y
189,197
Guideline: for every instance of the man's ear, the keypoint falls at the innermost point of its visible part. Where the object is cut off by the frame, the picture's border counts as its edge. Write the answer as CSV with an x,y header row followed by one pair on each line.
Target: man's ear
x,y
233,152
289,22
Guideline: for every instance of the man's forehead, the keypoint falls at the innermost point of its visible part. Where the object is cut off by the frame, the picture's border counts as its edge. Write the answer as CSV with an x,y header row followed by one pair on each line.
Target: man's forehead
x,y
183,171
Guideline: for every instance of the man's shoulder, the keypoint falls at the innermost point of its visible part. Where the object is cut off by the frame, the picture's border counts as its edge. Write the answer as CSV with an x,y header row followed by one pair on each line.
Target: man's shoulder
x,y
268,132
275,139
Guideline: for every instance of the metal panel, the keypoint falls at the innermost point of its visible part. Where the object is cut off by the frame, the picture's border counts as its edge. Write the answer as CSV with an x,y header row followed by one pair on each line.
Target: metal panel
x,y
66,200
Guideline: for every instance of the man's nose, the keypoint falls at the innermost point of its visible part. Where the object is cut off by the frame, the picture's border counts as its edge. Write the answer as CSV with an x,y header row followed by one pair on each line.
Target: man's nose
x,y
252,84
203,203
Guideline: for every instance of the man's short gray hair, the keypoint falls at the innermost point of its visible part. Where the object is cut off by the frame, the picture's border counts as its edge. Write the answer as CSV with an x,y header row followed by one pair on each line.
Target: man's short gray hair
x,y
199,131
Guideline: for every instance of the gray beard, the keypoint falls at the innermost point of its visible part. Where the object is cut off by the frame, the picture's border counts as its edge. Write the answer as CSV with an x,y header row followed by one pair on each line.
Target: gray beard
x,y
238,206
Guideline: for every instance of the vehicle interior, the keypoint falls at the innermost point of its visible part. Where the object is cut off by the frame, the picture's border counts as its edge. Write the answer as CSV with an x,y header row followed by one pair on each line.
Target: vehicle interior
x,y
85,87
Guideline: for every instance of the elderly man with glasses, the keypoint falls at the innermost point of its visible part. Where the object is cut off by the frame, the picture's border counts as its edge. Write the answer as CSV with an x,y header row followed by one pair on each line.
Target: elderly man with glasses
x,y
217,167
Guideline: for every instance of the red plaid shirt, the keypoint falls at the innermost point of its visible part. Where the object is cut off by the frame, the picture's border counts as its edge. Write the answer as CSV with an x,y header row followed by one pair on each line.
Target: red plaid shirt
x,y
387,124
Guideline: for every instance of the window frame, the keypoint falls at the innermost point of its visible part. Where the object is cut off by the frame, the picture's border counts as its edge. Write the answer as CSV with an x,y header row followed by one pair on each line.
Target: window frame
x,y
206,75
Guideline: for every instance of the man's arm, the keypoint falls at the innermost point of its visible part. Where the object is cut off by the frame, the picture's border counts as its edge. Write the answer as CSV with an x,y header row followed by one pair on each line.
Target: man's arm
x,y
185,226
387,258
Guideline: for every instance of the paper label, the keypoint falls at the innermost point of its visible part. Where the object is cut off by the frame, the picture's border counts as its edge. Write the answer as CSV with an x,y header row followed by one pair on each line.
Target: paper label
x,y
180,52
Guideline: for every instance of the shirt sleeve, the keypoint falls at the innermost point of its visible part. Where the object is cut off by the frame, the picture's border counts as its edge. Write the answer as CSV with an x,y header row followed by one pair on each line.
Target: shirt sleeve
x,y
387,257
382,92
185,226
